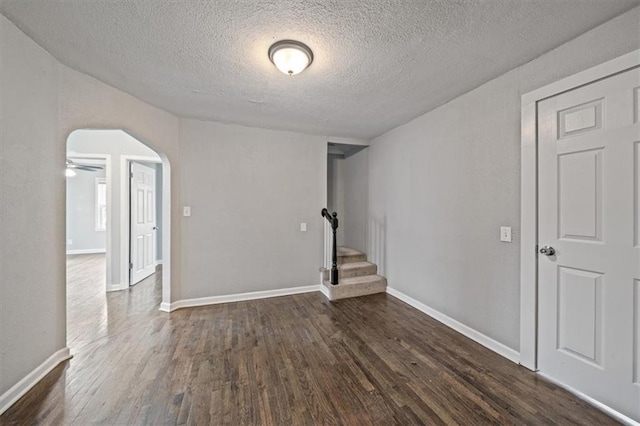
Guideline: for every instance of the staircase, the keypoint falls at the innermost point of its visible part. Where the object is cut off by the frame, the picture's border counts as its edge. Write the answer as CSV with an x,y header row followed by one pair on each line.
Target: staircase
x,y
358,277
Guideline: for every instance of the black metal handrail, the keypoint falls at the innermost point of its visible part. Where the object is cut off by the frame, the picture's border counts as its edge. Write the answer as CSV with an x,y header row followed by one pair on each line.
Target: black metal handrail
x,y
333,220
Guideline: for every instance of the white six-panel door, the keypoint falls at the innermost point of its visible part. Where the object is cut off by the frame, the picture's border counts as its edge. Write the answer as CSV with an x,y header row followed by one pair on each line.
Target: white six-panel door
x,y
589,213
143,222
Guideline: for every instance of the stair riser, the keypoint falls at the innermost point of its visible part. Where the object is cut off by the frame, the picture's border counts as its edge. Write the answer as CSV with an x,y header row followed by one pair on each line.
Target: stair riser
x,y
358,272
337,292
352,258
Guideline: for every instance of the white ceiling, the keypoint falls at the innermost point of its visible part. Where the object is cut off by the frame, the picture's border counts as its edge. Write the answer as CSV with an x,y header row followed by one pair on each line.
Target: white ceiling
x,y
378,63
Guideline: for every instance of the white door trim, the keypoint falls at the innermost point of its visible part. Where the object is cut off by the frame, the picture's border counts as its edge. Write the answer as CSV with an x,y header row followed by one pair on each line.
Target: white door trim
x,y
529,194
125,202
110,284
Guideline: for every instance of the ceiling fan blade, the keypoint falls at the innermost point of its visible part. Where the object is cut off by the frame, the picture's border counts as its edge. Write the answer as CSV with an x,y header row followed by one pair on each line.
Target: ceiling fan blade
x,y
85,166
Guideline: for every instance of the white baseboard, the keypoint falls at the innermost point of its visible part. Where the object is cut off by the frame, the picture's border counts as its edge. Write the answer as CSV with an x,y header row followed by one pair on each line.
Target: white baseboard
x,y
159,262
117,287
214,300
86,251
465,330
599,405
19,389
324,290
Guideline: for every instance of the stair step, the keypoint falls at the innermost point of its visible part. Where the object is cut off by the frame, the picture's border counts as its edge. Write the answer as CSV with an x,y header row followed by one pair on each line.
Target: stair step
x,y
356,286
357,269
349,255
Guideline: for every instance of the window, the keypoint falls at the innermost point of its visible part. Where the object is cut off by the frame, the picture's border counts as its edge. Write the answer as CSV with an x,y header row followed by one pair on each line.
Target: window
x,y
101,204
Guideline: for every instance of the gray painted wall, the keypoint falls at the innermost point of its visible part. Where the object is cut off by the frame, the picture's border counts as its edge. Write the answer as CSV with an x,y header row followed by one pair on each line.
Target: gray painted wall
x,y
356,197
42,103
32,251
86,103
228,174
249,189
335,192
115,143
347,194
441,186
81,212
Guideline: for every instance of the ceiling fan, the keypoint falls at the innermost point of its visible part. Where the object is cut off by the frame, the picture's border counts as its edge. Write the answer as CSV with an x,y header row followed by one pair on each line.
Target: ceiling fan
x,y
72,166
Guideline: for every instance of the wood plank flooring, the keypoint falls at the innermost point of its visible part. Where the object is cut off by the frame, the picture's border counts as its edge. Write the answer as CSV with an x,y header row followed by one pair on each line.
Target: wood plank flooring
x,y
294,360
92,313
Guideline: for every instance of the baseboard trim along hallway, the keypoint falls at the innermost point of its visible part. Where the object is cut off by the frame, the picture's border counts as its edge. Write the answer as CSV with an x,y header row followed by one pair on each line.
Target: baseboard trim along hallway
x,y
239,297
465,330
31,379
86,251
117,287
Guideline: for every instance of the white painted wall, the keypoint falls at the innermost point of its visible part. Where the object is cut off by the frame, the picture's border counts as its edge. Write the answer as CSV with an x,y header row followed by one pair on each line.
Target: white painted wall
x,y
441,186
81,212
116,144
249,189
32,246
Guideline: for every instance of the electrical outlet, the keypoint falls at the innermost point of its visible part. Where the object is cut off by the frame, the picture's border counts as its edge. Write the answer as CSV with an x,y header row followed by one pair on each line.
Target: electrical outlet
x,y
303,227
505,234
69,242
186,211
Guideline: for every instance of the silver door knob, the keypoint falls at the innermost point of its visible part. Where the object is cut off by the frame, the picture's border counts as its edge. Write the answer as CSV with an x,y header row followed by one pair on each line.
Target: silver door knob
x,y
548,251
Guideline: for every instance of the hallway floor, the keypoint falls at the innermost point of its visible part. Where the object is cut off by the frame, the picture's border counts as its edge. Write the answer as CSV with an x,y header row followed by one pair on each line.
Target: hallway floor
x,y
92,313
293,360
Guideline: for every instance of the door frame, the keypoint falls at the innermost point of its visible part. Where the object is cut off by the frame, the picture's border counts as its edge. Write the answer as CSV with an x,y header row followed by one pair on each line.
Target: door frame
x,y
529,194
125,213
328,233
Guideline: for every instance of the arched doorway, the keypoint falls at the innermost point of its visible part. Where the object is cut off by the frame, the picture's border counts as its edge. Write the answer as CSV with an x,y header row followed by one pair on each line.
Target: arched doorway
x,y
99,210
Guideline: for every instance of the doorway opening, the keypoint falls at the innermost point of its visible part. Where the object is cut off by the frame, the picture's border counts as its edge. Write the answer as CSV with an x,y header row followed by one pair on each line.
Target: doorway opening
x,y
347,195
117,231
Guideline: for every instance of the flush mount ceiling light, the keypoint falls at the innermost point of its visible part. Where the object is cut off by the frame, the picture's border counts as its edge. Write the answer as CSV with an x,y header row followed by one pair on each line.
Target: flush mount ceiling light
x,y
290,56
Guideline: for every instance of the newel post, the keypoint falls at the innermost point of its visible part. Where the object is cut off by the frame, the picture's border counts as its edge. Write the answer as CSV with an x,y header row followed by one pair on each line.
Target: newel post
x,y
334,251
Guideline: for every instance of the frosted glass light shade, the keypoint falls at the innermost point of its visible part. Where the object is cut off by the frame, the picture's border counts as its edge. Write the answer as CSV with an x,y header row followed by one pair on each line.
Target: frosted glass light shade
x,y
290,57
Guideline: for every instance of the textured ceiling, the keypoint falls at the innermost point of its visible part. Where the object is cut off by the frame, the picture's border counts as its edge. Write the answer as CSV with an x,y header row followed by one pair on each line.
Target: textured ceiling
x,y
378,63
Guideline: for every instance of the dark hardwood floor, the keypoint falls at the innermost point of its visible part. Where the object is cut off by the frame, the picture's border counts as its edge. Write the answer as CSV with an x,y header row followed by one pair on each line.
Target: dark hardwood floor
x,y
294,360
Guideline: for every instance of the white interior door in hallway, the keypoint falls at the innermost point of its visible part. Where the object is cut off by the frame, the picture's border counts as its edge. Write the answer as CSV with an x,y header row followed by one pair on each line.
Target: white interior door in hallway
x,y
143,222
589,213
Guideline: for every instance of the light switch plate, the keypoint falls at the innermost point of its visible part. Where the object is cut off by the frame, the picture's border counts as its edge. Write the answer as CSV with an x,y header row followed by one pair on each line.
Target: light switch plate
x,y
303,227
186,211
505,234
